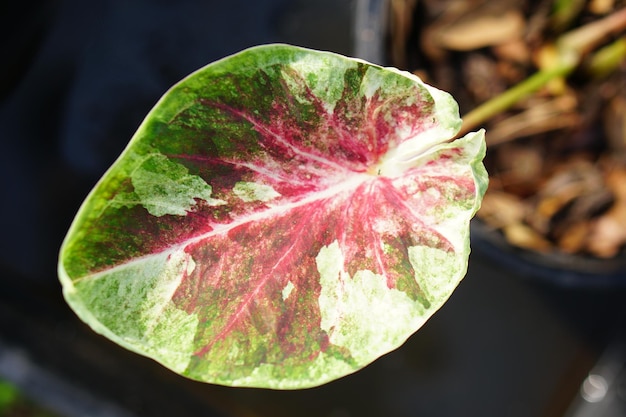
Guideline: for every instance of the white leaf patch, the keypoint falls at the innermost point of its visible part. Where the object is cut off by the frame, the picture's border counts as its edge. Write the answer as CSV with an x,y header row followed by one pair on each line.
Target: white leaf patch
x,y
362,313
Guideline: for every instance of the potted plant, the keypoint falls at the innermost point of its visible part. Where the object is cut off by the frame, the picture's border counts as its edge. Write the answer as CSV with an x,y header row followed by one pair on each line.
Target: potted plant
x,y
80,111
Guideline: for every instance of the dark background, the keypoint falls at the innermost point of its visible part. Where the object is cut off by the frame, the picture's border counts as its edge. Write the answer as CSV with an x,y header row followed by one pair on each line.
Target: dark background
x,y
76,80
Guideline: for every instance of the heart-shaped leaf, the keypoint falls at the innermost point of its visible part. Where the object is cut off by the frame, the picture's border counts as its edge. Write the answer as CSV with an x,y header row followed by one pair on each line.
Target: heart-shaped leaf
x,y
281,218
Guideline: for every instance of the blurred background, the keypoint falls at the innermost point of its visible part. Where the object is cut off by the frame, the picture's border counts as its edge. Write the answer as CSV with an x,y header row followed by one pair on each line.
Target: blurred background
x,y
76,80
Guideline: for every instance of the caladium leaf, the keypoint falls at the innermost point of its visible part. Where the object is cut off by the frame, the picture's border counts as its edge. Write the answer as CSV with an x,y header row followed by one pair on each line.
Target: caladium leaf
x,y
281,218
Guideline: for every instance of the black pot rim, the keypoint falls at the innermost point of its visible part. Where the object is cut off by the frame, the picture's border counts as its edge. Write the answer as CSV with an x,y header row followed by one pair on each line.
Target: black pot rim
x,y
557,268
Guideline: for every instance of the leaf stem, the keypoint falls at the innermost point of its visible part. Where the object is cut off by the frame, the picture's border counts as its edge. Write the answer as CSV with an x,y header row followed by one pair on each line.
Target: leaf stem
x,y
511,96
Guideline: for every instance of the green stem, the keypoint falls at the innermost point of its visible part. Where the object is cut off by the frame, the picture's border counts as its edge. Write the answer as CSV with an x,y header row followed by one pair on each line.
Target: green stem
x,y
513,95
607,59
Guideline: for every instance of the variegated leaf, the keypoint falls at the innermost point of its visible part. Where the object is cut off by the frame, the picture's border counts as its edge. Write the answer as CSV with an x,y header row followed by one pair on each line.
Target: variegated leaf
x,y
281,218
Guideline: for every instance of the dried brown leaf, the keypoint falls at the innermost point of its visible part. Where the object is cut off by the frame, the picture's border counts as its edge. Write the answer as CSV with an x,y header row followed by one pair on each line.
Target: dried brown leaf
x,y
500,209
601,6
520,235
574,237
515,50
576,192
609,234
480,30
544,115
